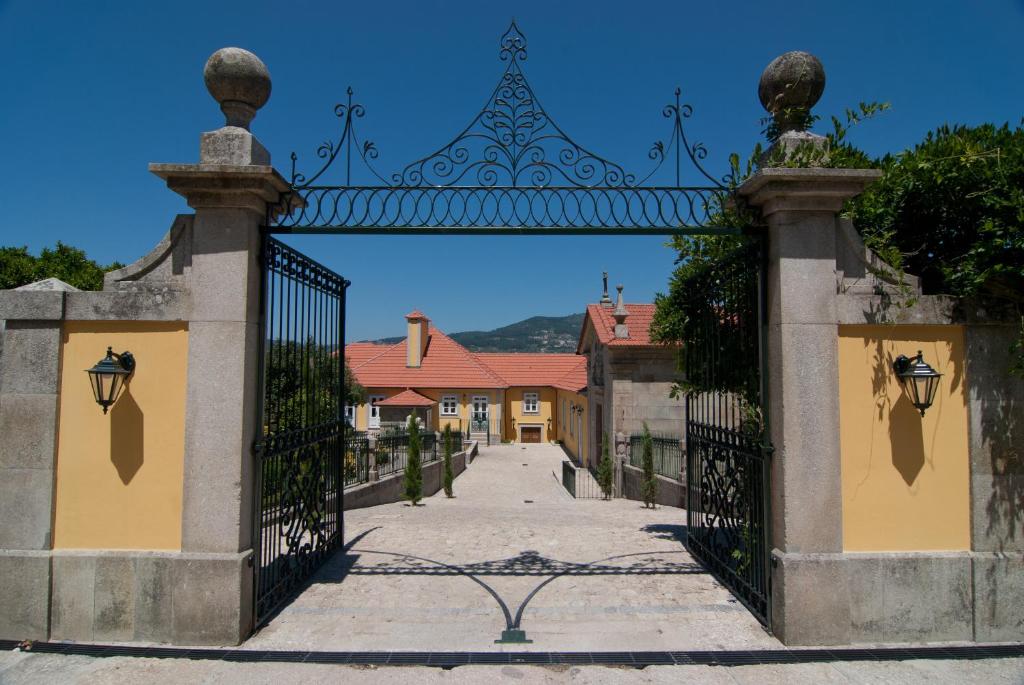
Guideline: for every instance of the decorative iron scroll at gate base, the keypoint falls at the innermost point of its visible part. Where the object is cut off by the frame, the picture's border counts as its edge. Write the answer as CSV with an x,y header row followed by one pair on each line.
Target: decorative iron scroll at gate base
x,y
728,464
511,170
298,508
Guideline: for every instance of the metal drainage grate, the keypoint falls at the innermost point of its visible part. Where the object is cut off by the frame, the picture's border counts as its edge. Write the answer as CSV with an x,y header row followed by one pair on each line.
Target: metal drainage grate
x,y
453,659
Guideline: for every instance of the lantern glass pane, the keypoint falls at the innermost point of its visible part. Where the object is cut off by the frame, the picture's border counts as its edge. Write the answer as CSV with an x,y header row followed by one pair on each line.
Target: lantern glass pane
x,y
115,386
930,389
101,383
920,387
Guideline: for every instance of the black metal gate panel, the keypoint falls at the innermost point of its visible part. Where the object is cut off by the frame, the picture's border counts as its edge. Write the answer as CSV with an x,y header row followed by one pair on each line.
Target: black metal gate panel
x,y
298,452
727,452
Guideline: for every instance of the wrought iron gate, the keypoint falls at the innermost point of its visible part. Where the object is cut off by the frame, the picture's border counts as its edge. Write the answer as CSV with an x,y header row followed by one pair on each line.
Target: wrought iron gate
x,y
727,452
298,507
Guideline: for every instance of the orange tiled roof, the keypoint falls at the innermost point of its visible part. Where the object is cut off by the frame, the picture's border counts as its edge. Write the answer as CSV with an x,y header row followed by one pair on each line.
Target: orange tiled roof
x,y
357,353
416,314
407,398
638,320
528,368
576,379
446,364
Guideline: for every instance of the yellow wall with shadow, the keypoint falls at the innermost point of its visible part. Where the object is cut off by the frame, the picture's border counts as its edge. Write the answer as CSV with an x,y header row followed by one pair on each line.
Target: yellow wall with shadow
x,y
119,475
905,479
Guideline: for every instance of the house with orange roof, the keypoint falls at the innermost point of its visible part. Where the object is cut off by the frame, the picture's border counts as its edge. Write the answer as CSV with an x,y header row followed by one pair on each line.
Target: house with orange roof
x,y
517,397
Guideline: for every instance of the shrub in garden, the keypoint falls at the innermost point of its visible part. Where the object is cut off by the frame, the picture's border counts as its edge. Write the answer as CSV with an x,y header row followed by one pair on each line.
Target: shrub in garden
x,y
649,485
605,469
413,488
448,475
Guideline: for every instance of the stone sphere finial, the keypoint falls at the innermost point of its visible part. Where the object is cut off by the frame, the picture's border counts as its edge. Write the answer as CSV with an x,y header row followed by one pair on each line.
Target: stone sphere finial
x,y
790,86
240,82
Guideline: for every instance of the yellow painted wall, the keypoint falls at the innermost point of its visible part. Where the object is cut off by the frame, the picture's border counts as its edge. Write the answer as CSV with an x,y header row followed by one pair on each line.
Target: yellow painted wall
x,y
571,439
464,397
119,475
905,478
514,399
413,346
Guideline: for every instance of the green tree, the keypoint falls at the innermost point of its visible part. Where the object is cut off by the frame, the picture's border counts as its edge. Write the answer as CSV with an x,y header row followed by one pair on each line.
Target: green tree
x,y
355,394
69,264
449,477
950,210
649,487
413,490
605,469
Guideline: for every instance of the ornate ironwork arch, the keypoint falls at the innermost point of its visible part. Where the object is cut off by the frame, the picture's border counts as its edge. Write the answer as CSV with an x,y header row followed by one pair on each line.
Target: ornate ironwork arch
x,y
511,170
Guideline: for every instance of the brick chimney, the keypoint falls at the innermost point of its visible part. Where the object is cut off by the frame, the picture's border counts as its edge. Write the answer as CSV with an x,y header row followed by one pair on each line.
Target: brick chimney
x,y
620,314
418,326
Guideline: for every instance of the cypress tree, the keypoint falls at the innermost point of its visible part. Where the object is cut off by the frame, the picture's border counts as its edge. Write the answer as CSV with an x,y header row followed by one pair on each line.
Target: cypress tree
x,y
605,469
649,487
413,470
448,476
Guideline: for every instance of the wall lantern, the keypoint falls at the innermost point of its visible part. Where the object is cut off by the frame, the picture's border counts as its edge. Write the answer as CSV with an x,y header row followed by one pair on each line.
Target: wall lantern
x,y
920,380
108,377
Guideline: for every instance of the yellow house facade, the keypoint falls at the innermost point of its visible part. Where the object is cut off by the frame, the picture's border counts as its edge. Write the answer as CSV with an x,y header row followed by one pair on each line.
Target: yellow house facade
x,y
501,397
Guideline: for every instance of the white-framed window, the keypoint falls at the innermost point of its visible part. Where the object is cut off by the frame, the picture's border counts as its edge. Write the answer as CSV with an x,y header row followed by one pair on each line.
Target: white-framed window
x,y
449,405
350,415
571,433
374,420
531,403
561,416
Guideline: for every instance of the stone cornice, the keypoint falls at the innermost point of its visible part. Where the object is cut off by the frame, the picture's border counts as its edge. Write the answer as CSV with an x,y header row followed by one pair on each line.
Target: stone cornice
x,y
805,190
224,185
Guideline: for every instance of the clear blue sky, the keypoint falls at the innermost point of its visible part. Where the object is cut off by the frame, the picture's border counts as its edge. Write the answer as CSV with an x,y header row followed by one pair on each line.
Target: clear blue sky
x,y
92,92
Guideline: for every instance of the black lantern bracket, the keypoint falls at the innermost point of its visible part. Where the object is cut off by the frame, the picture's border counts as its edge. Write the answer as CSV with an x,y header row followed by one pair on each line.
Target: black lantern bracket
x,y
109,375
918,378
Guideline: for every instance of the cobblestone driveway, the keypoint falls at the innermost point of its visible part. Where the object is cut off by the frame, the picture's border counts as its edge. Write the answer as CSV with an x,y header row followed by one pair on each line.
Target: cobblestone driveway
x,y
454,573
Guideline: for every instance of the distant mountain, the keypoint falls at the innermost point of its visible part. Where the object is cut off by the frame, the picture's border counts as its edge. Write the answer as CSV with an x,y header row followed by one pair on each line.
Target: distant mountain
x,y
536,334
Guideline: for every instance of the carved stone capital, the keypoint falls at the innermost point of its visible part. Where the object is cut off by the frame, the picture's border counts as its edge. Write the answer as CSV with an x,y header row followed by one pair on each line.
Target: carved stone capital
x,y
224,186
805,190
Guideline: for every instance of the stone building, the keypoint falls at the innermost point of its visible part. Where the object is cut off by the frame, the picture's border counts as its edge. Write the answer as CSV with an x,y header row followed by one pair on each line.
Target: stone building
x,y
629,377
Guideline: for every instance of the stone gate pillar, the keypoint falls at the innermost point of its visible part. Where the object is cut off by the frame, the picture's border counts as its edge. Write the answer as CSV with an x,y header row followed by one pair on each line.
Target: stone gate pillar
x,y
800,207
230,189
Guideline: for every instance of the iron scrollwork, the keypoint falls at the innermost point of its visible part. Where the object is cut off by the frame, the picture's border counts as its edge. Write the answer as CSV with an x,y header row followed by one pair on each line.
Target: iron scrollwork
x,y
512,167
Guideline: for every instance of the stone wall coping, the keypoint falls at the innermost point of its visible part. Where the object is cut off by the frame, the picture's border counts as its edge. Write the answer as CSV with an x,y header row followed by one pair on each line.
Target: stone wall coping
x,y
32,305
147,553
805,190
146,263
850,556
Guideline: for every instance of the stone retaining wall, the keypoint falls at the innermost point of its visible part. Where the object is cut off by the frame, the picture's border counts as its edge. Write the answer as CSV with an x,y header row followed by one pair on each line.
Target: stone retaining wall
x,y
671,493
389,489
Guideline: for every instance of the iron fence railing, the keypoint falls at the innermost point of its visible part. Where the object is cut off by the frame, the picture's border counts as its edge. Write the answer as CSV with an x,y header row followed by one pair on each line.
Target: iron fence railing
x,y
581,481
391,451
667,451
356,458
